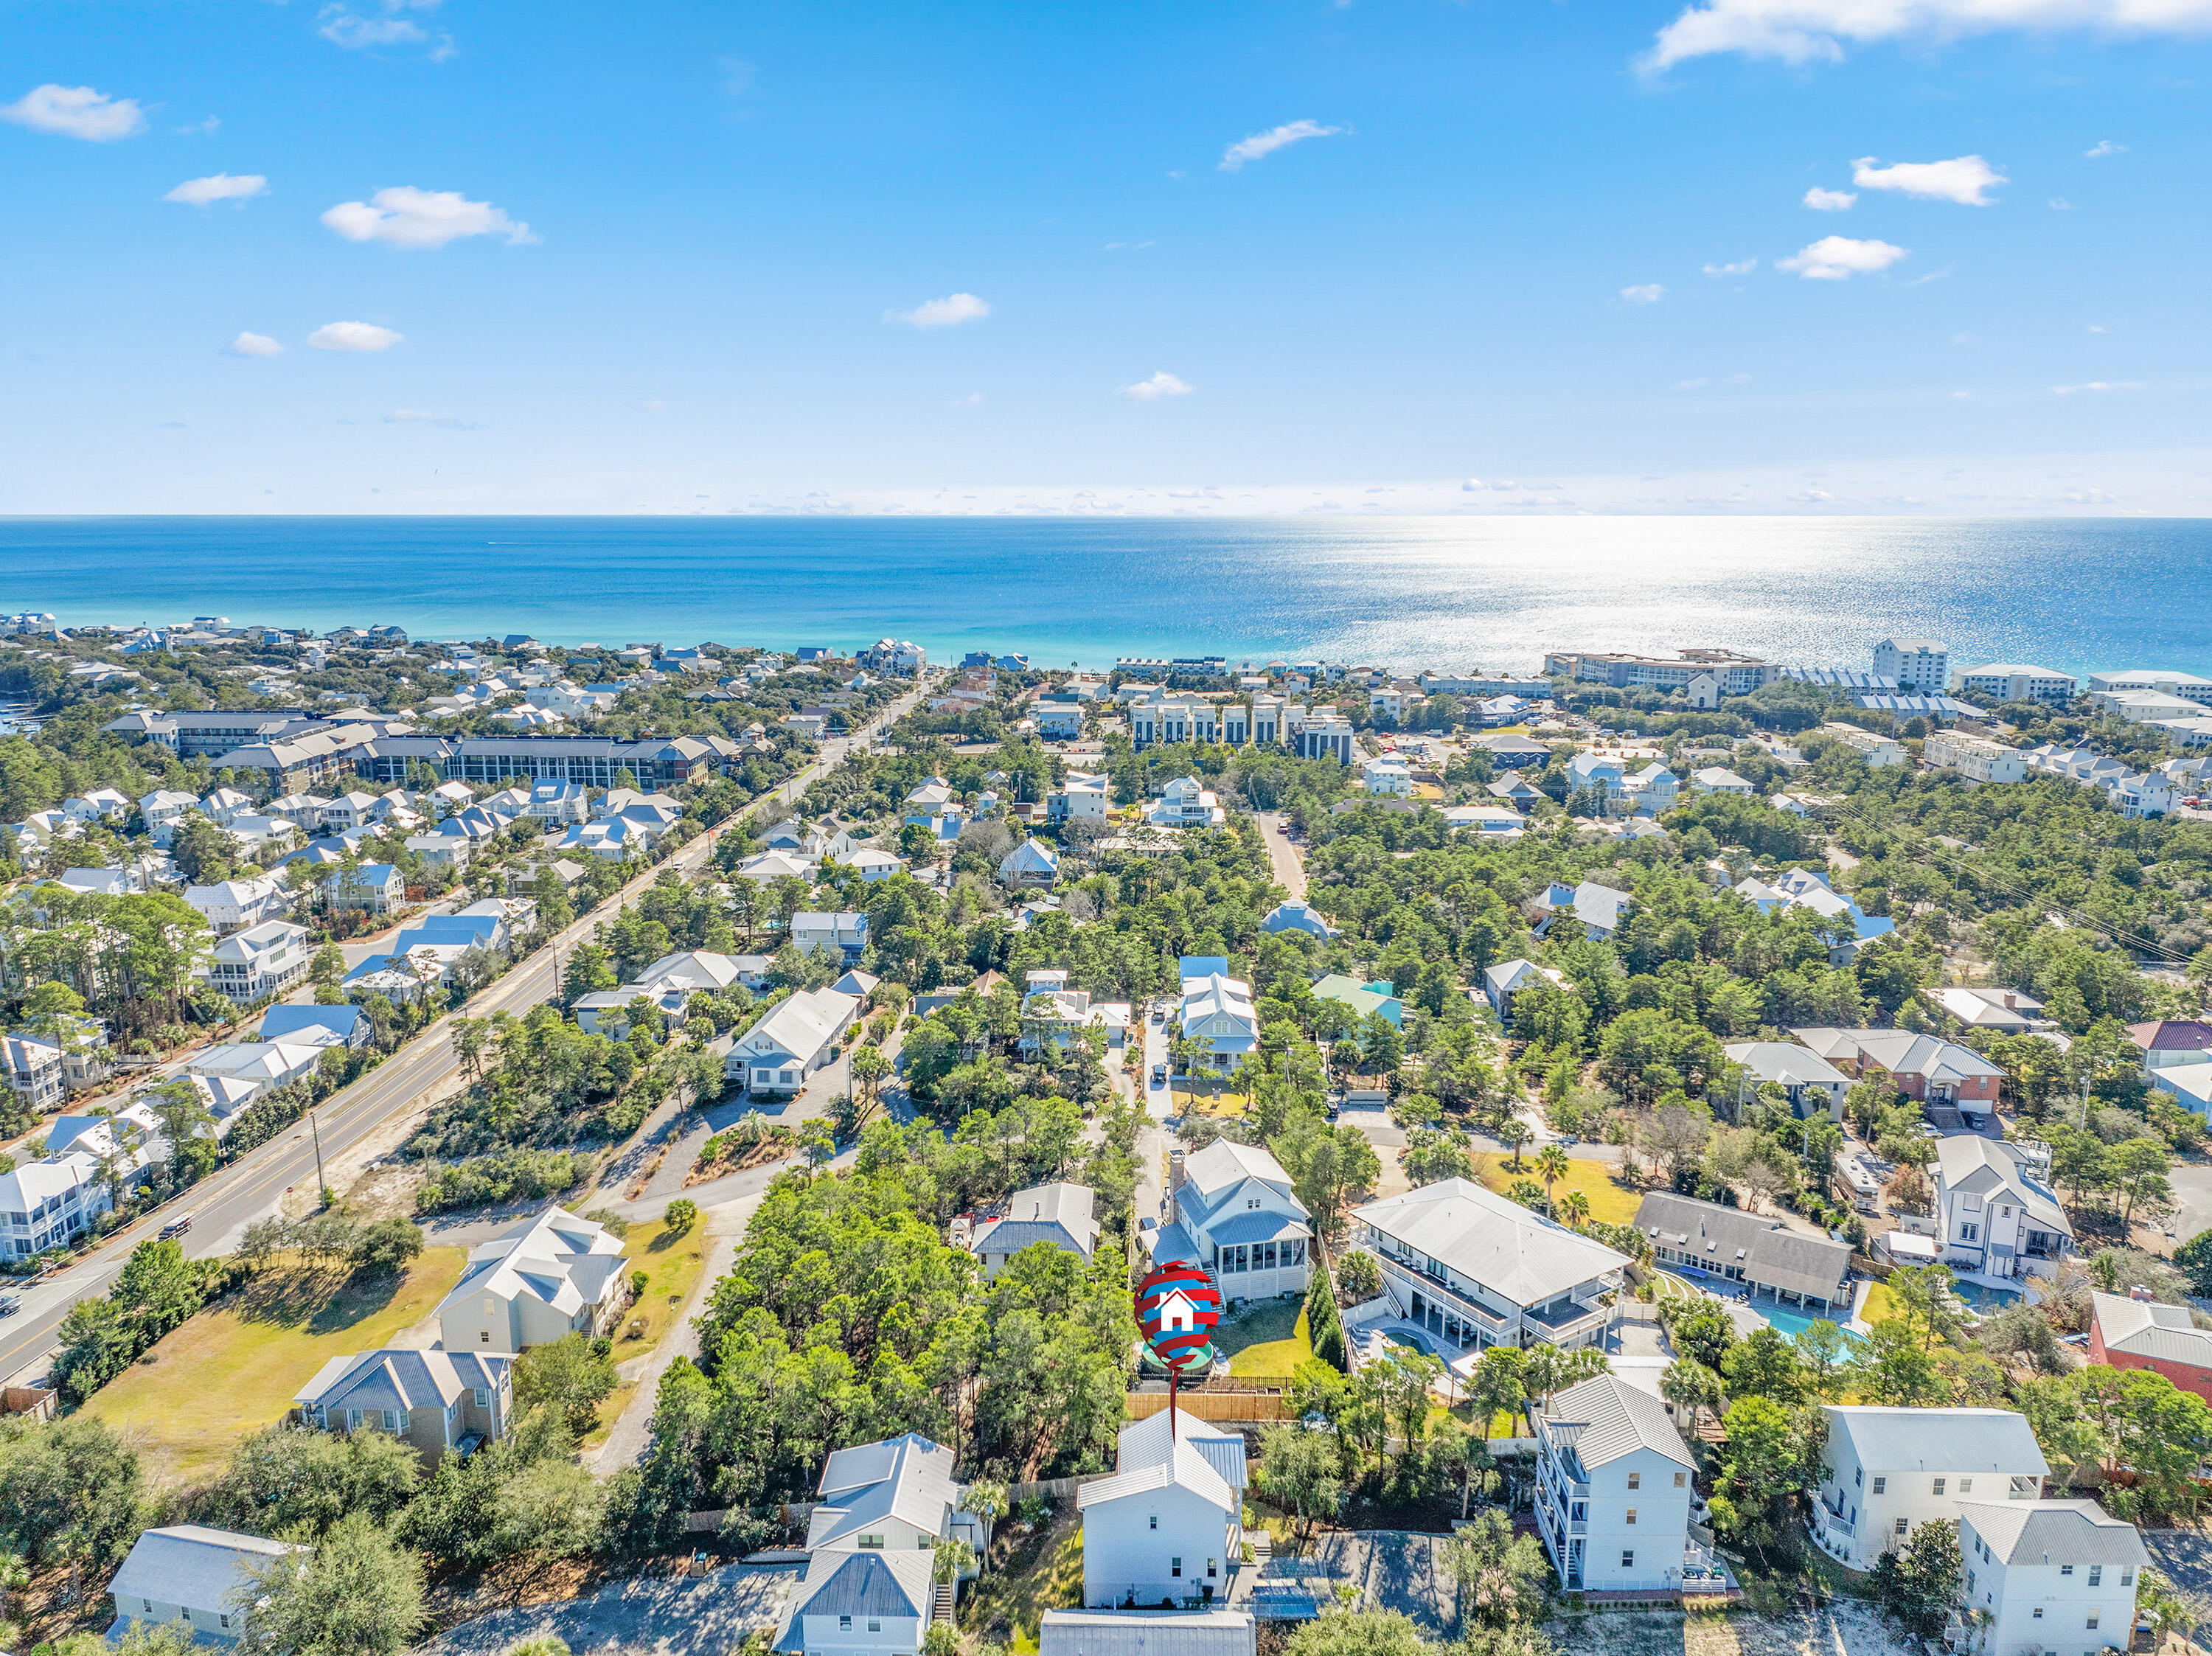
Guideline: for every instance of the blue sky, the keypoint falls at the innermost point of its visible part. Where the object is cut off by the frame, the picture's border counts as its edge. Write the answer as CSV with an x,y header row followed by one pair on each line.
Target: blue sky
x,y
923,258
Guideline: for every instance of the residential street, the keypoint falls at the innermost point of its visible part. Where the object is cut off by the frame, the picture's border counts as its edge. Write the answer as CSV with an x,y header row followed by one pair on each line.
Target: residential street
x,y
224,1204
1290,869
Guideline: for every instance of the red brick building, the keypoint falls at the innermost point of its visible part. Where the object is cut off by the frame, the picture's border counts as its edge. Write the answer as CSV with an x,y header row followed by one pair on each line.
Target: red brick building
x,y
2126,1332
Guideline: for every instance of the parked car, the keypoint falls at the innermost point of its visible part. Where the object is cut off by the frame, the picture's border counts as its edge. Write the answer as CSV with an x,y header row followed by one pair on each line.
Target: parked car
x,y
1159,1075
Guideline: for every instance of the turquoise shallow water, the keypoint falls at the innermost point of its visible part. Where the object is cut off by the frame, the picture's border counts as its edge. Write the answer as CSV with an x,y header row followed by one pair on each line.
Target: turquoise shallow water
x,y
1410,593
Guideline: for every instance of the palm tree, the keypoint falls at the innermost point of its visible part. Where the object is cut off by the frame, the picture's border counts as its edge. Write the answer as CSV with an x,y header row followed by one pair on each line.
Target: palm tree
x,y
869,1068
1551,1167
1690,1384
1575,1209
1515,1132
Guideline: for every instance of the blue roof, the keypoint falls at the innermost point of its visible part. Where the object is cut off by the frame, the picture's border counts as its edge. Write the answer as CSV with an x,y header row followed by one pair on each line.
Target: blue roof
x,y
280,1020
451,928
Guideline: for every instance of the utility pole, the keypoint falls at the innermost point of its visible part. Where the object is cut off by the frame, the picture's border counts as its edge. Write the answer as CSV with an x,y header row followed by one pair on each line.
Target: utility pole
x,y
322,1186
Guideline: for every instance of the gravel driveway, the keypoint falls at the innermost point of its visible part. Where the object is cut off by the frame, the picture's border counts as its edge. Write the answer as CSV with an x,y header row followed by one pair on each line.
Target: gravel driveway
x,y
653,1616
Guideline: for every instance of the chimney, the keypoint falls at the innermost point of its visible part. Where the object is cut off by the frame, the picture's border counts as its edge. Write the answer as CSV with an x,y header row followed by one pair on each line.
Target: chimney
x,y
2139,1292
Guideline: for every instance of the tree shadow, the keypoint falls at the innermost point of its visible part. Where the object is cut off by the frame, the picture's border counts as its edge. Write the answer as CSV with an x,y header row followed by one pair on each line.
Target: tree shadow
x,y
315,1301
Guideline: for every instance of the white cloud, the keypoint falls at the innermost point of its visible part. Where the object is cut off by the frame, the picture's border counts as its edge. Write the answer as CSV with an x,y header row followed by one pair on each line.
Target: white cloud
x,y
1829,201
1741,267
2096,327
2104,147
340,23
1692,385
407,217
1162,384
416,417
1839,259
1802,31
76,111
353,336
1262,144
973,399
2098,385
1812,497
220,186
1645,293
2059,205
947,312
255,345
1964,178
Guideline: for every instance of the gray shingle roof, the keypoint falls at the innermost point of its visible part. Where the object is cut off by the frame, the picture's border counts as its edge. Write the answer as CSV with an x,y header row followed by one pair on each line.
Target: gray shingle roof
x,y
2054,1532
1771,1254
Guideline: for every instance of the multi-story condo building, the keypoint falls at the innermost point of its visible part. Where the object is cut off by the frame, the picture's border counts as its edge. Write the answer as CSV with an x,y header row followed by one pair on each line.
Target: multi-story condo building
x,y
1914,663
1736,674
1973,757
2013,681
1475,1270
1613,1488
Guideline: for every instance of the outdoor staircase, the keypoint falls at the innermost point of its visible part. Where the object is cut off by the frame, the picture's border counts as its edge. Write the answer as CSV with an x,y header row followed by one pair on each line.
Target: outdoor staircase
x,y
940,1609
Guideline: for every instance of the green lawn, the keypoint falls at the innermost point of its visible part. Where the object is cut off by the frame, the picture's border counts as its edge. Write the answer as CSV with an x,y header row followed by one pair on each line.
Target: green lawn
x,y
1614,1202
671,1264
235,1368
1881,1304
1270,1339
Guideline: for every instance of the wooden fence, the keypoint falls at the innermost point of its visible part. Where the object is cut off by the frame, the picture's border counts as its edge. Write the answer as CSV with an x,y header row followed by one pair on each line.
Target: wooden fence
x,y
1219,1406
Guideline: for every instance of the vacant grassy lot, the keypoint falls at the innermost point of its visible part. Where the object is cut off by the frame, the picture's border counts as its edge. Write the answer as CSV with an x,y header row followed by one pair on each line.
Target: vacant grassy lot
x,y
671,1264
1008,1604
1270,1339
234,1368
1881,1304
1614,1204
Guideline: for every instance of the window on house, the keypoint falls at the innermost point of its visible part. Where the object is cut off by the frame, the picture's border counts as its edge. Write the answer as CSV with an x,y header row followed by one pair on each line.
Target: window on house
x,y
1965,1486
1627,1560
484,1336
1900,1526
1858,1477
844,1624
1938,1487
1631,1515
2128,1576
875,1624
2096,1576
2066,1569
1213,1568
1635,1480
2092,1618
224,1619
871,1540
1175,1568
1681,1478
149,1603
1879,1484
2036,1615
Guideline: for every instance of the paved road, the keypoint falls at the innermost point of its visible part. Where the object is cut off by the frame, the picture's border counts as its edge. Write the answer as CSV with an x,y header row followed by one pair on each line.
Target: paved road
x,y
224,1204
1290,867
2193,1200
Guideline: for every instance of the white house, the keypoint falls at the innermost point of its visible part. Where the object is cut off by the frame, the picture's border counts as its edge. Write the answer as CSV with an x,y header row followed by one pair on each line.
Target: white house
x,y
1053,1014
1475,1270
560,804
1389,779
1186,803
2050,1575
1811,1081
1167,1528
1884,1470
841,934
377,887
873,865
1995,1212
191,1575
1504,979
259,961
1598,908
781,1051
231,905
1298,915
1914,663
668,982
1719,779
1216,1011
1613,1488
867,1591
1057,1214
33,1066
1235,1214
1973,757
162,810
262,1063
547,1277
1032,865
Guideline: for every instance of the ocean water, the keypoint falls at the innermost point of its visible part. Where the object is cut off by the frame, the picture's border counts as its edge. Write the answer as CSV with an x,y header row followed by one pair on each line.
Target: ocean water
x,y
1409,593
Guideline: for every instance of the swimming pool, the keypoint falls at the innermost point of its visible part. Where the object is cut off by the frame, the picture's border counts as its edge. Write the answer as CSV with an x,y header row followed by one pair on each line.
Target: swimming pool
x,y
1790,1324
1984,1298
